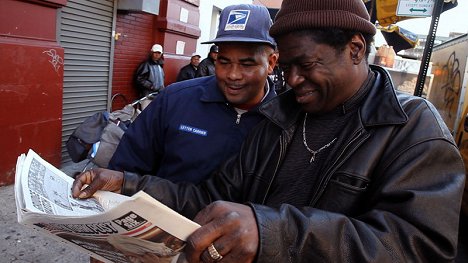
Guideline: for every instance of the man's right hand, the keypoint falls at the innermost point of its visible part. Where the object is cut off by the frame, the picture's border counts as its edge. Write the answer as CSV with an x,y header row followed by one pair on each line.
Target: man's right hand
x,y
97,179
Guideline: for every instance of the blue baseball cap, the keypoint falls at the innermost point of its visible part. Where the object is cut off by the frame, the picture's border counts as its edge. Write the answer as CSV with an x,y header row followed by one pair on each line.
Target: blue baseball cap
x,y
244,23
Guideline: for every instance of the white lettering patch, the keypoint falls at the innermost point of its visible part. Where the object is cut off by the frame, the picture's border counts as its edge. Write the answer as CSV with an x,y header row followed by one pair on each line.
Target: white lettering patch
x,y
237,20
193,130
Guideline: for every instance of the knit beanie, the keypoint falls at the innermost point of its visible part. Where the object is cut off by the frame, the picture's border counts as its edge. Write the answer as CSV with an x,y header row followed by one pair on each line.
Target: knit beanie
x,y
297,15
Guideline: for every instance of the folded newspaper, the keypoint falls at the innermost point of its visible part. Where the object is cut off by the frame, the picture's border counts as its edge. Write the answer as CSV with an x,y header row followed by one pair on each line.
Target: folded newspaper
x,y
109,227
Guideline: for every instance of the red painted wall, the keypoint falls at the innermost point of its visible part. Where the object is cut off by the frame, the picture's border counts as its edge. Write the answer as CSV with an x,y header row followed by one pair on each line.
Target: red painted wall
x,y
31,82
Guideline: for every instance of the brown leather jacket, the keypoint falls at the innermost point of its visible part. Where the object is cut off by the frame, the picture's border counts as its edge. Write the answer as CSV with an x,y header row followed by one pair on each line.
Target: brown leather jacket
x,y
392,195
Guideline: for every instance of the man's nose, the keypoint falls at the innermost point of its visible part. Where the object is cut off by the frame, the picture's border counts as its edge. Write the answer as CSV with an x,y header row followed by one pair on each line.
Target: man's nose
x,y
294,77
235,72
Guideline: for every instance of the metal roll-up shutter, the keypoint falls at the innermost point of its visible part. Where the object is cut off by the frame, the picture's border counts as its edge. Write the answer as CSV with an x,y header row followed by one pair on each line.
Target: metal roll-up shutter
x,y
86,36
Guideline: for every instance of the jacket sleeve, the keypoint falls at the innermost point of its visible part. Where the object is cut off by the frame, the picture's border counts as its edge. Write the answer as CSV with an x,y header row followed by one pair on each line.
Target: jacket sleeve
x,y
187,198
140,148
410,214
142,76
183,75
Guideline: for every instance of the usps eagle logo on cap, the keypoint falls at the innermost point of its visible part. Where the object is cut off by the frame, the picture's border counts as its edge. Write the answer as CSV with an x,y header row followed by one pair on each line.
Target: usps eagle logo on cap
x,y
237,20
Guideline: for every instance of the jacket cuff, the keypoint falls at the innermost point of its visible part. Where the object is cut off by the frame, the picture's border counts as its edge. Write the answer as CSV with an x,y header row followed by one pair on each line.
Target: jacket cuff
x,y
130,183
269,232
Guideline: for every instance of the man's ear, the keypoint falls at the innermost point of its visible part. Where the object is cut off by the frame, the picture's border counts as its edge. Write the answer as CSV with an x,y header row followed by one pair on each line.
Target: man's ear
x,y
272,60
357,48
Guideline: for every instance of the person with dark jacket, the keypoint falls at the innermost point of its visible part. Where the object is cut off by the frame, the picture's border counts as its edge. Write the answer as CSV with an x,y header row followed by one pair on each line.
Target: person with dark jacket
x,y
344,169
192,126
189,71
207,65
149,76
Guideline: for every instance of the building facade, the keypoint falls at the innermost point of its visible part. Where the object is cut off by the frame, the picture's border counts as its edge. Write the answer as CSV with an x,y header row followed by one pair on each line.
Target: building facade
x,y
63,60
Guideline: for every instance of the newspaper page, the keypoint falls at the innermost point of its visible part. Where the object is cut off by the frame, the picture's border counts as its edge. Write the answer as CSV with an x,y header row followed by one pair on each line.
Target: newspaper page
x,y
46,189
118,230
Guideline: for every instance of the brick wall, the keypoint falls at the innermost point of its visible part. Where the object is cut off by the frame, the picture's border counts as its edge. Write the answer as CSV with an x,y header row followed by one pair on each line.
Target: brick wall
x,y
131,48
139,31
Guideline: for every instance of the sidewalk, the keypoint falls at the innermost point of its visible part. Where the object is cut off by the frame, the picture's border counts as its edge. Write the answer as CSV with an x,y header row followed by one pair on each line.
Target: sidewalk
x,y
20,244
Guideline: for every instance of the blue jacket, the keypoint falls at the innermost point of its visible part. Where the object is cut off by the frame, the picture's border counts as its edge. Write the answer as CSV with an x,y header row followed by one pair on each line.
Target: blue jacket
x,y
185,133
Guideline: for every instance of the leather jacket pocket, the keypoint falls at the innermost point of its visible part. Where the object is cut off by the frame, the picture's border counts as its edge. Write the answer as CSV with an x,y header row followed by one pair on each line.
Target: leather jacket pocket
x,y
344,194
352,182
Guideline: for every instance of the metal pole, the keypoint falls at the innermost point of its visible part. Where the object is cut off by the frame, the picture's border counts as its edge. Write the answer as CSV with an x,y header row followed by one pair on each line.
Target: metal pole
x,y
439,4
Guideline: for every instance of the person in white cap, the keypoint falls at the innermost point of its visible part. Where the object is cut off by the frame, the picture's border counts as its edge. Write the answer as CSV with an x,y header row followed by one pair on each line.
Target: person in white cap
x,y
150,74
190,70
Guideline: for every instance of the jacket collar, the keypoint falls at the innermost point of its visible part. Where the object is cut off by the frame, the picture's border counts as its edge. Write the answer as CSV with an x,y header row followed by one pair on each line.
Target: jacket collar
x,y
213,94
380,107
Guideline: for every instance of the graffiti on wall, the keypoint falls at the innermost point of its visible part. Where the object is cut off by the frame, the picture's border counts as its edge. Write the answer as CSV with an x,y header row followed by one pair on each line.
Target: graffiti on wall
x,y
451,82
55,59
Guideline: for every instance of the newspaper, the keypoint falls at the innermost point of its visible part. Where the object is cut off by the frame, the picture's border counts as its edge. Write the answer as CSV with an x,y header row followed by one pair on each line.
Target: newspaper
x,y
109,227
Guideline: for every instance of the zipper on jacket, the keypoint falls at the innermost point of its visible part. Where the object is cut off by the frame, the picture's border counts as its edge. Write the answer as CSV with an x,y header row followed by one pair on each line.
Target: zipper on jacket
x,y
238,118
280,157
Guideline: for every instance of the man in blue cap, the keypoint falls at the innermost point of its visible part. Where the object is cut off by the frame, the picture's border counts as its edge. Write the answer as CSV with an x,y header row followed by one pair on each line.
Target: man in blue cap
x,y
194,125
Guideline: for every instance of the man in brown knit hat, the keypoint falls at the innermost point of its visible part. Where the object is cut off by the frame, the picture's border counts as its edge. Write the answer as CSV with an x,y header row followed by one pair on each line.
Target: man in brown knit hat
x,y
346,169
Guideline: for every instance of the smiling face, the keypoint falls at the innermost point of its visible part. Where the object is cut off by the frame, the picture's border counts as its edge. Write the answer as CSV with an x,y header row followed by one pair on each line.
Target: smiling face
x,y
322,76
242,70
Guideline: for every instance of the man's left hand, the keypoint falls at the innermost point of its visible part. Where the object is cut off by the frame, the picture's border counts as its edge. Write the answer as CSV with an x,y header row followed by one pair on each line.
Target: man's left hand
x,y
230,227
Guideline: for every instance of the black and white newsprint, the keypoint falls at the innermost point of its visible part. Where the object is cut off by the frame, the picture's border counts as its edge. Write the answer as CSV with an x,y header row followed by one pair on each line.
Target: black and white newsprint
x,y
109,227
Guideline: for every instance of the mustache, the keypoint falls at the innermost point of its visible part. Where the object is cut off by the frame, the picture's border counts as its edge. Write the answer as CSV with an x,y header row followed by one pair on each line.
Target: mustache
x,y
305,89
234,84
